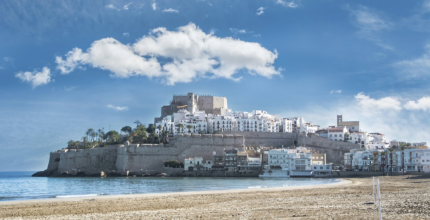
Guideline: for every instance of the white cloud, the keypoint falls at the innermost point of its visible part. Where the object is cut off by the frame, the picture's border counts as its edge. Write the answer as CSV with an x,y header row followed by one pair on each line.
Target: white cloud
x,y
127,5
291,4
238,31
369,104
192,52
154,6
260,11
370,25
335,91
416,67
118,108
126,34
421,104
171,10
384,115
111,6
70,88
36,78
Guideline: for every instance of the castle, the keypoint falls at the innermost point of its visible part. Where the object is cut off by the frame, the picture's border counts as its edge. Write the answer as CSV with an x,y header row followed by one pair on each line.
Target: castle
x,y
140,158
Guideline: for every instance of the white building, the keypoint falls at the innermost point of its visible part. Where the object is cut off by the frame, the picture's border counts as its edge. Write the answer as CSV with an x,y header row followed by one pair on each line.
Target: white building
x,y
295,162
337,133
197,163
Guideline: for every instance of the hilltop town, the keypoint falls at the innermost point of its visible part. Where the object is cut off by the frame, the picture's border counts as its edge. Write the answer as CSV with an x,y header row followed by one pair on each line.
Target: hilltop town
x,y
200,136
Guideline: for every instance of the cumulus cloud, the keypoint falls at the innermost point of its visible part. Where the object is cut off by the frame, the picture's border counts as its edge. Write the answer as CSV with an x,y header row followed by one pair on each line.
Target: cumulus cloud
x,y
370,104
186,54
390,118
421,104
127,5
260,11
291,4
370,24
335,91
171,10
35,78
118,108
126,34
154,6
417,67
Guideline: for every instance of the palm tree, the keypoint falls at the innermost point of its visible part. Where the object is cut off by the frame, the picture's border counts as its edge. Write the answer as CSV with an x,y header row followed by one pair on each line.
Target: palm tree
x,y
137,122
89,131
84,139
100,134
180,126
93,135
70,144
391,159
189,128
159,128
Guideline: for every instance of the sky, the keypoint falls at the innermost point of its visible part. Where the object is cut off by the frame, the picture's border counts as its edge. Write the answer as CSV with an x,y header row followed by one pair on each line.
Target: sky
x,y
66,66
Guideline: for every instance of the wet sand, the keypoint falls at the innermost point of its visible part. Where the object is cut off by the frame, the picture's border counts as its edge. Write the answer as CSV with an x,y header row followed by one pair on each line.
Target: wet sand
x,y
401,199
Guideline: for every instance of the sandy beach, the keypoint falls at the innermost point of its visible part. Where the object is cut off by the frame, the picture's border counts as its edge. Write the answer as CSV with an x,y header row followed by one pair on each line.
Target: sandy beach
x,y
402,198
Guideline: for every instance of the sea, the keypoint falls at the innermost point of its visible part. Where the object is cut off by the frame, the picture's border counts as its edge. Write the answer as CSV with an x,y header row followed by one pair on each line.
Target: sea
x,y
21,186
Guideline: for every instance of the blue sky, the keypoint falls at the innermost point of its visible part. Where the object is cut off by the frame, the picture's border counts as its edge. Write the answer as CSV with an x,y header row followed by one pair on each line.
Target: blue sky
x,y
367,60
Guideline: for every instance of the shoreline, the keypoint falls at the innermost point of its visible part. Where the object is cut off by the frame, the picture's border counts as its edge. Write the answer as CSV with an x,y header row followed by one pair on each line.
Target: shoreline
x,y
146,195
401,197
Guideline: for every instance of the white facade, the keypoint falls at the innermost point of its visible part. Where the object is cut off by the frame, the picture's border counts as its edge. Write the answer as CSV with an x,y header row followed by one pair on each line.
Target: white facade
x,y
254,161
199,122
292,162
197,163
337,133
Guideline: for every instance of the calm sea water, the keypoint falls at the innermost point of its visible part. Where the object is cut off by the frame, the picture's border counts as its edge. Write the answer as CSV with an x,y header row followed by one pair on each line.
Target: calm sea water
x,y
21,186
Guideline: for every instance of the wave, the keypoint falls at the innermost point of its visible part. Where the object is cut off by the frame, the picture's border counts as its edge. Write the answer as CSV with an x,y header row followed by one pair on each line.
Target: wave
x,y
77,196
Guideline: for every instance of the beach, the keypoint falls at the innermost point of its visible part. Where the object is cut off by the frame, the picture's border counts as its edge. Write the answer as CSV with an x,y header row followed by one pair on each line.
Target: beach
x,y
402,198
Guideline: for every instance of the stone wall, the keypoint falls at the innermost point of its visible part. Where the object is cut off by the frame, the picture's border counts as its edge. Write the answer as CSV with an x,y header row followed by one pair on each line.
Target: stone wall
x,y
54,161
266,139
90,161
334,150
142,157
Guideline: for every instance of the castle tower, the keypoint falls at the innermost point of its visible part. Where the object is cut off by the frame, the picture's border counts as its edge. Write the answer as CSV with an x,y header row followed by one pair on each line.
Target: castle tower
x,y
339,119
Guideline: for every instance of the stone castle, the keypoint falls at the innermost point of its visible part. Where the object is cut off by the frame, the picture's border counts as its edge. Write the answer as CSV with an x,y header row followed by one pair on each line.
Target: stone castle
x,y
142,158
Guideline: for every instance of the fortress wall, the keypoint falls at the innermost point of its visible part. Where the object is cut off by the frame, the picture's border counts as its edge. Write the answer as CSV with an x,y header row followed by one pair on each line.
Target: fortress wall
x,y
266,139
54,161
334,150
151,157
89,160
205,103
219,102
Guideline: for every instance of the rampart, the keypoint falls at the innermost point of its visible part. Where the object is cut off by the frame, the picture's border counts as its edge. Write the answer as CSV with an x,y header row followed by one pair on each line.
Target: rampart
x,y
141,157
266,139
334,150
138,158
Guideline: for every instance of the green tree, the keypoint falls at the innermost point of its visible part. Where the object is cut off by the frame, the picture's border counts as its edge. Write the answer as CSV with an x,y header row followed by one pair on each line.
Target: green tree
x,y
126,129
137,122
112,136
151,128
88,133
140,135
70,144
85,139
159,127
189,128
180,126
93,135
346,137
